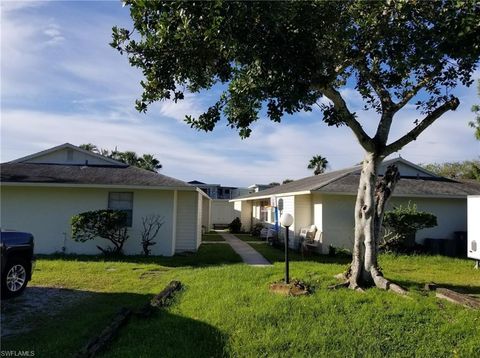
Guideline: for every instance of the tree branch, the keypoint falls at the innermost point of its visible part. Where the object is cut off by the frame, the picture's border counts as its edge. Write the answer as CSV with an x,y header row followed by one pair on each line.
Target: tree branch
x,y
380,90
332,94
412,93
452,104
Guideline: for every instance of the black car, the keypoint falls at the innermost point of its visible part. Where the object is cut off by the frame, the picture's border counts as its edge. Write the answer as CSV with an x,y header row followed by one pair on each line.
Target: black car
x,y
17,261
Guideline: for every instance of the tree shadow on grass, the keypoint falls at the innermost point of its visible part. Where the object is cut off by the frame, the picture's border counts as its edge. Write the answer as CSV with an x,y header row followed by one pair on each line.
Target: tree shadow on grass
x,y
277,254
420,286
64,332
207,255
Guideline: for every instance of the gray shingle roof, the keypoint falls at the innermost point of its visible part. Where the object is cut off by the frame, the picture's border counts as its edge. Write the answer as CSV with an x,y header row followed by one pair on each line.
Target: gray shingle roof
x,y
409,186
77,174
346,181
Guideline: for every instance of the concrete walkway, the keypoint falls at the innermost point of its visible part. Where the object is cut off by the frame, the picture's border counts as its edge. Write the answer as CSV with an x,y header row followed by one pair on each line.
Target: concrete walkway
x,y
248,254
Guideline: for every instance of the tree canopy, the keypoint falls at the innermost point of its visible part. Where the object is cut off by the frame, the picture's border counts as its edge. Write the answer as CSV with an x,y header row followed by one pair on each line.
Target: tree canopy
x,y
475,124
287,55
468,169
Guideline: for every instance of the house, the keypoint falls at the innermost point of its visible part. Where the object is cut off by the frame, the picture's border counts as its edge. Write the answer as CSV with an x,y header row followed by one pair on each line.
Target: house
x,y
217,191
255,188
328,202
41,192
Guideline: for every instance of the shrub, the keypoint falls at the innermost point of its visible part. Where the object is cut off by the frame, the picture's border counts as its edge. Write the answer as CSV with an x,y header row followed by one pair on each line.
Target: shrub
x,y
235,226
106,224
257,228
401,224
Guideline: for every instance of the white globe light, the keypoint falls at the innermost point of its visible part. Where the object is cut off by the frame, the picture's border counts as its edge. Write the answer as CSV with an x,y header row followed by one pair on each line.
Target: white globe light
x,y
286,219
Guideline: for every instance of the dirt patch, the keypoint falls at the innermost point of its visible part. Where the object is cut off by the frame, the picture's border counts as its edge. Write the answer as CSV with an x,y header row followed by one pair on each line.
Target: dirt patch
x,y
21,314
294,288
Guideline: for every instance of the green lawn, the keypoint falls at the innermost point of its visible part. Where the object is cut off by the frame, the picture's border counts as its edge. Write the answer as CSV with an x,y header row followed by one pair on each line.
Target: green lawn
x,y
249,237
226,309
212,236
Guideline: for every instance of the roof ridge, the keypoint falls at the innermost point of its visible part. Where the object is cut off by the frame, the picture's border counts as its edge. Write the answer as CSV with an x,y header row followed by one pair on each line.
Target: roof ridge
x,y
351,171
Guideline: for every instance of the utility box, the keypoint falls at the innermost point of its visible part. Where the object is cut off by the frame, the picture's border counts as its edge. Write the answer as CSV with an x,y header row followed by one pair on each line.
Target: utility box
x,y
473,222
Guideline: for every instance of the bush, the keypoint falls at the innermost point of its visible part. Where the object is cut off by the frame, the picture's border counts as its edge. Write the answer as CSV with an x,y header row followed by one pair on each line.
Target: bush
x,y
106,224
235,226
401,224
257,228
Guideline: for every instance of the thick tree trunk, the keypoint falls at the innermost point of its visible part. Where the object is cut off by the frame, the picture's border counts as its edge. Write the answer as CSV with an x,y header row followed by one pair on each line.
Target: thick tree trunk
x,y
364,251
369,208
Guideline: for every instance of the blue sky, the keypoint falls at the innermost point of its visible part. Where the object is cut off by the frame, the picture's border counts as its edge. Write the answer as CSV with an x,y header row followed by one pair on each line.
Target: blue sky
x,y
62,82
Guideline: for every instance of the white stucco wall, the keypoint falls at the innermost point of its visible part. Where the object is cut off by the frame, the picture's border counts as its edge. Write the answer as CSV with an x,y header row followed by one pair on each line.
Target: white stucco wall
x,y
317,207
338,218
451,215
338,221
46,212
243,210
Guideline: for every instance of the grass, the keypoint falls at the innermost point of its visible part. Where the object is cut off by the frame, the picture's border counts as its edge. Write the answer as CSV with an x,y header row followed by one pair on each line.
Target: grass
x,y
249,237
225,308
212,236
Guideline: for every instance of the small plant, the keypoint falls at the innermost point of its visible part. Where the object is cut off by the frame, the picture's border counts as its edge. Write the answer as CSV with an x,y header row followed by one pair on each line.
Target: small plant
x,y
401,224
151,227
338,251
256,230
106,224
235,226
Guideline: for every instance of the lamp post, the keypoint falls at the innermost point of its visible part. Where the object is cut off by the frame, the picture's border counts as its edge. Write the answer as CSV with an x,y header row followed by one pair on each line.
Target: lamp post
x,y
286,220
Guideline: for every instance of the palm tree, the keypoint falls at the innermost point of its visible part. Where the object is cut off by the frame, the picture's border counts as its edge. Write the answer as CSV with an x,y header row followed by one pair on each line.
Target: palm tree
x,y
149,162
129,158
90,147
318,163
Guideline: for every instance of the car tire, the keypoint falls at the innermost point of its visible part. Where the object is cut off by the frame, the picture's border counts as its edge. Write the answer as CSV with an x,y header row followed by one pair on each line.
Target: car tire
x,y
14,278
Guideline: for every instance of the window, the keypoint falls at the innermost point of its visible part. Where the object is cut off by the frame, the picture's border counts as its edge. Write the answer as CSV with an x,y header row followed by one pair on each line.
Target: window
x,y
122,202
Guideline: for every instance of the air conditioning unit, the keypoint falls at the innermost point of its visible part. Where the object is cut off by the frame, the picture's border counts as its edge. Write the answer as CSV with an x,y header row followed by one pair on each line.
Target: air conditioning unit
x,y
473,220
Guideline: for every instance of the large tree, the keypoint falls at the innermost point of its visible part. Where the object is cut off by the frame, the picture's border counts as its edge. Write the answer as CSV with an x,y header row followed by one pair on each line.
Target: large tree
x,y
468,169
475,124
318,164
286,56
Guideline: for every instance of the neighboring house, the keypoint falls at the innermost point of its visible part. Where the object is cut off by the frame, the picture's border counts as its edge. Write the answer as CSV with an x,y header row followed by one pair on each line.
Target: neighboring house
x,y
217,191
328,201
255,188
222,210
41,192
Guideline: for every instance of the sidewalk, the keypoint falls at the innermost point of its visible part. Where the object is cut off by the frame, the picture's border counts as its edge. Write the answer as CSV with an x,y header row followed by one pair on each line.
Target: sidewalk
x,y
248,254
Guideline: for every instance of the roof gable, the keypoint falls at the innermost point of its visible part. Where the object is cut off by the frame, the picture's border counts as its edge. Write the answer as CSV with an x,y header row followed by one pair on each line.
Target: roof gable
x,y
68,154
406,169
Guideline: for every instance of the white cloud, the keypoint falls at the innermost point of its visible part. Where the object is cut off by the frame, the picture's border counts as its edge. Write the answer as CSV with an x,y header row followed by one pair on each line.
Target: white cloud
x,y
190,105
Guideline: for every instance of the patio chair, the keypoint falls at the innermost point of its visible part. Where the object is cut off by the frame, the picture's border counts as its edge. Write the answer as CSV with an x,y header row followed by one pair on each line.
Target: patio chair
x,y
312,244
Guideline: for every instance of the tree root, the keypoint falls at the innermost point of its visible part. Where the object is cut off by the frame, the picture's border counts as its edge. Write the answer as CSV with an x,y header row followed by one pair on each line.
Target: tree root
x,y
341,276
384,284
378,280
